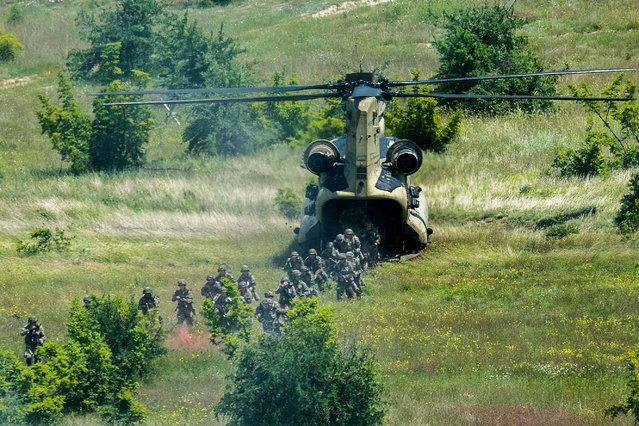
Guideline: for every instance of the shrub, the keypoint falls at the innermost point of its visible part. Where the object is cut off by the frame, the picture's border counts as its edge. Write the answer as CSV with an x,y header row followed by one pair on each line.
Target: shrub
x,y
483,40
631,405
44,240
627,219
304,377
288,202
16,15
419,120
10,46
615,142
561,230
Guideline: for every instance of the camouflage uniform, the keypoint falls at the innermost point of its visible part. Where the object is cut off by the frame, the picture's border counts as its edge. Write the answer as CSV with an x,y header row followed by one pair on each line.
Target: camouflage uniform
x,y
301,288
246,285
340,244
294,262
372,240
184,298
269,313
286,292
211,287
329,256
351,243
316,266
148,301
357,272
345,278
222,273
33,334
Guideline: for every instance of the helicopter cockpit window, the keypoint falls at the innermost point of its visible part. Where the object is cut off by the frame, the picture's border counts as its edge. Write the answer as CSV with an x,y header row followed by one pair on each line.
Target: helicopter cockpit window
x,y
340,144
384,144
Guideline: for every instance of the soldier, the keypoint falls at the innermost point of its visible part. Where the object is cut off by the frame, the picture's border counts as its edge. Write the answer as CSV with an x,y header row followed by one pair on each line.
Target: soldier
x,y
372,240
351,242
86,301
345,280
211,287
286,292
329,256
148,301
301,288
316,266
184,298
339,244
307,276
269,313
223,273
246,285
33,334
357,272
294,262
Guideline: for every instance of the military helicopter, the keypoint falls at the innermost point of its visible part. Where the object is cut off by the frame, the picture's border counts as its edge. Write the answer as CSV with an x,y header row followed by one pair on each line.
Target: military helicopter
x,y
363,175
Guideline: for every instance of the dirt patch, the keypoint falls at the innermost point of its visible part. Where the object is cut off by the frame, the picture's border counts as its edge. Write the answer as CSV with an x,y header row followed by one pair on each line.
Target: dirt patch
x,y
16,81
521,415
347,7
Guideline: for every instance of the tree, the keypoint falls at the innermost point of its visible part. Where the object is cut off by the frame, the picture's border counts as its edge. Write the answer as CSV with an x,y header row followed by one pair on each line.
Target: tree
x,y
483,40
129,22
291,118
67,126
303,377
614,142
119,133
627,219
9,47
419,120
632,402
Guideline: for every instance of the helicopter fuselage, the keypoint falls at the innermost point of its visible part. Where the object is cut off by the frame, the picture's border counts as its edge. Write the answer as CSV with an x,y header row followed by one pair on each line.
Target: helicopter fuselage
x,y
364,177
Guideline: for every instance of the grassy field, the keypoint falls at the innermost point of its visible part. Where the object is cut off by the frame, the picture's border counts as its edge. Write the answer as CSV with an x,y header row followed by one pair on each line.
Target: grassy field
x,y
496,323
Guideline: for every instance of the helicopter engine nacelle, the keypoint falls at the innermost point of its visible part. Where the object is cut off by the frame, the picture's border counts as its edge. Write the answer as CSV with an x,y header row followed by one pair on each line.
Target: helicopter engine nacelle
x,y
320,156
405,156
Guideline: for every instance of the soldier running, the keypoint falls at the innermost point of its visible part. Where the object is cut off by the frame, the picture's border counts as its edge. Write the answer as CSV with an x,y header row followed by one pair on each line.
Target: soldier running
x,y
286,292
294,262
345,278
184,298
246,285
148,301
316,266
34,337
269,313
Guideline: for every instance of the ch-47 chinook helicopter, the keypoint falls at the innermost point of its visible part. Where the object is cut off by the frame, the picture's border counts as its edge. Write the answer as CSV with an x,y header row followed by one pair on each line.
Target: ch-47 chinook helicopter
x,y
363,175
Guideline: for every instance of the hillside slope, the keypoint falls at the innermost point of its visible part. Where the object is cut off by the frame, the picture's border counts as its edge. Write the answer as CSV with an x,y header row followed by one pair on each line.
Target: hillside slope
x,y
496,323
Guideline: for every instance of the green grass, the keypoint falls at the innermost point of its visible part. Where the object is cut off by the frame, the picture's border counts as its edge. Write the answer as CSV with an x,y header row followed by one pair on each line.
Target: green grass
x,y
494,321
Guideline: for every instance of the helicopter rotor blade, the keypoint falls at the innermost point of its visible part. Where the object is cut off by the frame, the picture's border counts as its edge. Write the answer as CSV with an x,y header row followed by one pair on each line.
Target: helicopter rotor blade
x,y
498,77
505,97
220,90
248,99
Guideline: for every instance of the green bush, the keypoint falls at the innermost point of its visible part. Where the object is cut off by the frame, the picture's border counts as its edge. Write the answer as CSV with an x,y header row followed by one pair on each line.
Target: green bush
x,y
627,219
561,230
304,377
612,144
10,46
288,202
483,40
43,240
419,120
16,15
631,405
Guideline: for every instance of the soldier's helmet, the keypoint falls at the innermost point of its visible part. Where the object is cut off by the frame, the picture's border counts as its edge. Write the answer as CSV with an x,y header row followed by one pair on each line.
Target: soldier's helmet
x,y
296,273
221,268
147,290
210,277
349,254
312,252
339,237
294,253
304,268
329,244
349,231
284,280
268,294
33,319
86,298
181,283
341,256
244,268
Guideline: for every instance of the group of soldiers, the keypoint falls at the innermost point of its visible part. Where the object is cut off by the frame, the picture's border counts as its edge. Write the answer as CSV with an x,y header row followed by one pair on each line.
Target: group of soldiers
x,y
342,261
